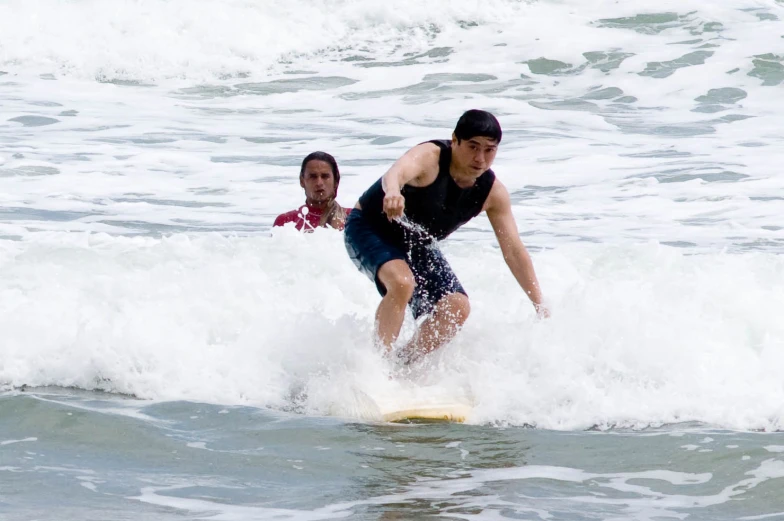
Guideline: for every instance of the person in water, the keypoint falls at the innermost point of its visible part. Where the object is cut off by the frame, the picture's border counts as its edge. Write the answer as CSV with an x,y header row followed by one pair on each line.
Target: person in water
x,y
392,233
319,177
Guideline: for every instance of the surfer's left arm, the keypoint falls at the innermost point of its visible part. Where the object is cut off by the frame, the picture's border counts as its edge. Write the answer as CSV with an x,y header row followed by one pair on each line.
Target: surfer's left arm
x,y
499,210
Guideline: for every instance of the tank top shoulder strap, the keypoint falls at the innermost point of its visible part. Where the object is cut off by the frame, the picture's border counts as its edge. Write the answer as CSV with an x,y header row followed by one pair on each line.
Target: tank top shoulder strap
x,y
445,158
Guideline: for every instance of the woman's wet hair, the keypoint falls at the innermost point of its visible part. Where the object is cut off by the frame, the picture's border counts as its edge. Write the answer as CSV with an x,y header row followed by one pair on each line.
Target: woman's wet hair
x,y
321,156
475,123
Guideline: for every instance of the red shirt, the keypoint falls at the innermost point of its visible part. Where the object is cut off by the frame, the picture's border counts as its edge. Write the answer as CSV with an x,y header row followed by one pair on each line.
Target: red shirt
x,y
308,221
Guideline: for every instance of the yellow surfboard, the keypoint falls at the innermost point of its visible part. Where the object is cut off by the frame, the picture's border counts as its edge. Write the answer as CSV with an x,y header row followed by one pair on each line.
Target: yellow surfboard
x,y
400,409
441,412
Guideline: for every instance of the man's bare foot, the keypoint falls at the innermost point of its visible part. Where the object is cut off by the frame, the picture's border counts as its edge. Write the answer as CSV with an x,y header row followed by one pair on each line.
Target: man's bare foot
x,y
409,355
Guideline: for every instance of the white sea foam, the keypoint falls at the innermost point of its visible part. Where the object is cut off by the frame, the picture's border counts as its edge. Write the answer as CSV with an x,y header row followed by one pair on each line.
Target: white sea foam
x,y
9,442
155,40
639,335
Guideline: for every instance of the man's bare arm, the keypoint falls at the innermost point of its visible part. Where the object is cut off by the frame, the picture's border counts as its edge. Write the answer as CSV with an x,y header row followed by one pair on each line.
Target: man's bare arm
x,y
415,167
499,211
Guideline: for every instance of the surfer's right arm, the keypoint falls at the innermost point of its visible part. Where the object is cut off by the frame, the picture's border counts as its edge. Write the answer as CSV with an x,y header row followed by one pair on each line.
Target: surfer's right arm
x,y
412,168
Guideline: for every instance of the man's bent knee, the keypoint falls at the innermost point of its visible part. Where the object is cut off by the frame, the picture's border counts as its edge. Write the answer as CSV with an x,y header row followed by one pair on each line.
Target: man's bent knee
x,y
455,306
397,278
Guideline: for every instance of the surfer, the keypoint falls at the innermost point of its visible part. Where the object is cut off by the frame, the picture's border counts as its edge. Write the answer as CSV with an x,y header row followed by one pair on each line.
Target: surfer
x,y
319,177
392,233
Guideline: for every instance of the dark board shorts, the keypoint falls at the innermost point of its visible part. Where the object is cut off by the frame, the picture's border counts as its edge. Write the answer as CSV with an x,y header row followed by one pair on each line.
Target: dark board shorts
x,y
369,250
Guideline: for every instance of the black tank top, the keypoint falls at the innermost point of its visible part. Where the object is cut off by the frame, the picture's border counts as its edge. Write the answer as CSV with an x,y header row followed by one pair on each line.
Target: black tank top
x,y
437,209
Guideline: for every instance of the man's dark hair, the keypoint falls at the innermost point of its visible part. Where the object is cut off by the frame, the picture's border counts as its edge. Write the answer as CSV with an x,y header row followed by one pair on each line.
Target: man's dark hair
x,y
477,123
321,156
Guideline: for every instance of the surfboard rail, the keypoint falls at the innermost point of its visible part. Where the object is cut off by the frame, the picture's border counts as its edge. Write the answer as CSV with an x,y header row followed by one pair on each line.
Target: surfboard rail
x,y
446,412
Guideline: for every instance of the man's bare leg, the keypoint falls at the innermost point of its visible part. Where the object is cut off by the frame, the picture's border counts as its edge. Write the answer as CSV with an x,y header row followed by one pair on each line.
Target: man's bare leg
x,y
440,327
399,282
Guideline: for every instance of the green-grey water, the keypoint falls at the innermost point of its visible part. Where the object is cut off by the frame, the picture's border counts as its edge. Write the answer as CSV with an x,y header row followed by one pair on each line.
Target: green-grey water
x,y
69,455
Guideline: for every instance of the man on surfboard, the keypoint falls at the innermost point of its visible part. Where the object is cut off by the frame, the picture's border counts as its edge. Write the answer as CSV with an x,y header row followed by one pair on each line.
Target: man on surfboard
x,y
392,233
319,177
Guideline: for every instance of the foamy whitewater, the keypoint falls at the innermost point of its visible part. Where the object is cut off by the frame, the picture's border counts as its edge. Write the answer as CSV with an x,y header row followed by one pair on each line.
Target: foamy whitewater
x,y
146,146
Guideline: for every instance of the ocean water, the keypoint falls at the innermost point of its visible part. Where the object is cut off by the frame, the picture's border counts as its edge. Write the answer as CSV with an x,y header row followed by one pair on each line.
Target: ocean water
x,y
165,354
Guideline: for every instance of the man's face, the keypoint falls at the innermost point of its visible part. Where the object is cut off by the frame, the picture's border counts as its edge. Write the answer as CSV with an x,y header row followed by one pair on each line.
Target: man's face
x,y
474,155
318,182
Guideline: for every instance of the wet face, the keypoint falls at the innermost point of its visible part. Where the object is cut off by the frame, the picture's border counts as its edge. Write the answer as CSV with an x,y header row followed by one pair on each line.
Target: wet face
x,y
318,182
475,155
